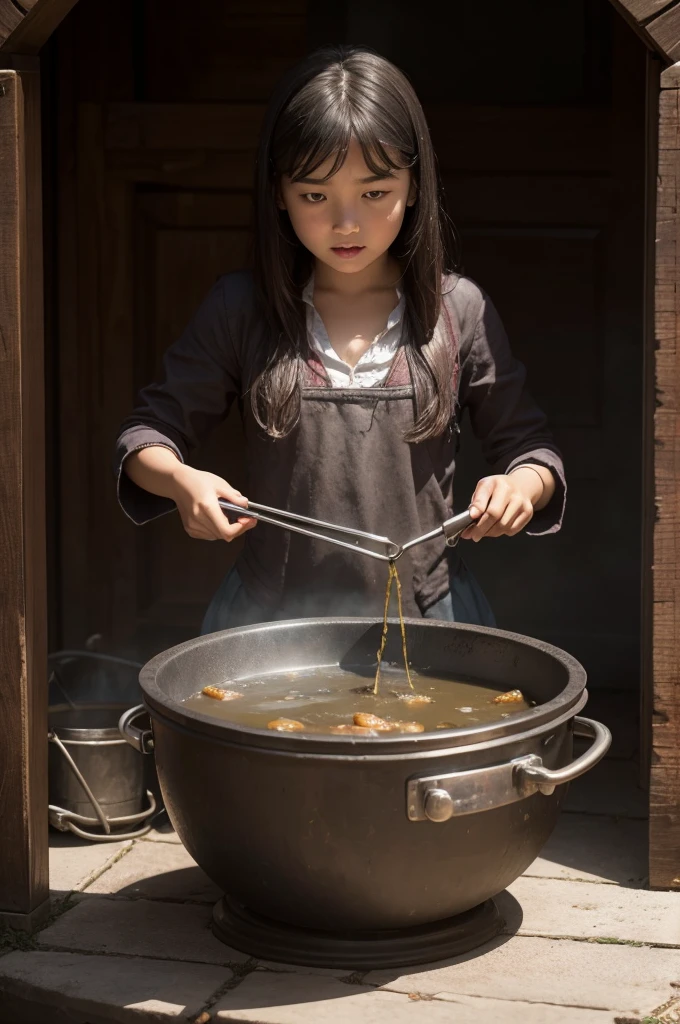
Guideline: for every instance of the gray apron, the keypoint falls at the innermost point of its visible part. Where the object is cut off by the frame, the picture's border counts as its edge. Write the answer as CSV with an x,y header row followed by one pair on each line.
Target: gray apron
x,y
346,462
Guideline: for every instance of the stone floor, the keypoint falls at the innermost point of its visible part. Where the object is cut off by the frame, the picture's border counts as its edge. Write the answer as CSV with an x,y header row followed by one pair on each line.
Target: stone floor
x,y
585,942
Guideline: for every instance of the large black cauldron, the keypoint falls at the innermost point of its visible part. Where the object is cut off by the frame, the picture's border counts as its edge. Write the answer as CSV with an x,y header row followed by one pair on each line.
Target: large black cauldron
x,y
361,835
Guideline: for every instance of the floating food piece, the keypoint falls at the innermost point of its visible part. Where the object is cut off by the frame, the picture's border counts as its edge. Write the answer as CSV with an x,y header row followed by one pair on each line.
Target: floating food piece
x,y
466,711
511,697
446,725
372,722
415,698
409,726
352,730
218,693
285,725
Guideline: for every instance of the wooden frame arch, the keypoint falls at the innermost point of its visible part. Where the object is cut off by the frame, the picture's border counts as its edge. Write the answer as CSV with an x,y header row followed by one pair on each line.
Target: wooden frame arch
x,y
25,25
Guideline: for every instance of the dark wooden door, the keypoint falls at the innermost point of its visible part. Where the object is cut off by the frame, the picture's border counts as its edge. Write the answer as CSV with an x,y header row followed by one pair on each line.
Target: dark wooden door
x,y
172,226
186,241
160,192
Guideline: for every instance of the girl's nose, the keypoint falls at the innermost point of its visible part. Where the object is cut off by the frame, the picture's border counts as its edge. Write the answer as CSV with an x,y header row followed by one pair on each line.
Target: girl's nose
x,y
346,223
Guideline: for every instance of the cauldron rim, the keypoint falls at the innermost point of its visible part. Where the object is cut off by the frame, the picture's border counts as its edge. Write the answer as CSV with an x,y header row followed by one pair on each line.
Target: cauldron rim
x,y
566,703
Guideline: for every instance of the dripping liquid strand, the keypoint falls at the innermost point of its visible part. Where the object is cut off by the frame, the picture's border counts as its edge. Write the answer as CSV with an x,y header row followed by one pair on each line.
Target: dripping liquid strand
x,y
393,576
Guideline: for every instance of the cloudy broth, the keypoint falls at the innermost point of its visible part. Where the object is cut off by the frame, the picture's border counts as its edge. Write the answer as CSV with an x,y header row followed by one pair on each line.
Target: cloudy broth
x,y
319,700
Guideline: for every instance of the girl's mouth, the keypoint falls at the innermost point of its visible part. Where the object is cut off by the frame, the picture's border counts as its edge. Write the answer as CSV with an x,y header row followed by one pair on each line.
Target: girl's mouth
x,y
347,252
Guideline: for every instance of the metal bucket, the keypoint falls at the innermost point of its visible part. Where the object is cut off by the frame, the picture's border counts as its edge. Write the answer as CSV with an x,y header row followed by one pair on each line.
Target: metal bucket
x,y
96,780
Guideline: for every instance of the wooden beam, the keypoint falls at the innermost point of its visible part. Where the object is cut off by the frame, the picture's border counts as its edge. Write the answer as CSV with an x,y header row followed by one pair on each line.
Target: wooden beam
x,y
23,614
644,10
657,22
665,31
26,25
648,410
664,840
10,19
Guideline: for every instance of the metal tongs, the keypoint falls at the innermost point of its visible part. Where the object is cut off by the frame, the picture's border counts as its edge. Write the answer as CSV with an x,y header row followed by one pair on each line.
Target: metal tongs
x,y
384,549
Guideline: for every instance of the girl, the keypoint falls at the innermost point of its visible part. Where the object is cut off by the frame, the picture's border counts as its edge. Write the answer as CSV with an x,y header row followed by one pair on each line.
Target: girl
x,y
353,350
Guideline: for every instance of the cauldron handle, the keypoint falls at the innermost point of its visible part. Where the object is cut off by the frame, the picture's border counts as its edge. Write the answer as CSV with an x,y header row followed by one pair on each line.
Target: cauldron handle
x,y
440,797
140,739
545,779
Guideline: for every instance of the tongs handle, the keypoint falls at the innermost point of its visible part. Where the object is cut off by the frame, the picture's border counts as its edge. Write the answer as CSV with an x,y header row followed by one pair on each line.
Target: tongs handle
x,y
381,548
453,527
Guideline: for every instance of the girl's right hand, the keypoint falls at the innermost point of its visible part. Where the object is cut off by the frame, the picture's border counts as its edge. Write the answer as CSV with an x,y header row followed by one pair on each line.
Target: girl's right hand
x,y
195,493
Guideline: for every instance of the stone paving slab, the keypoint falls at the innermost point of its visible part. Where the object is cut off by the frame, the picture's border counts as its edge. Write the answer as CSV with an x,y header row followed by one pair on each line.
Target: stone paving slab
x,y
477,1010
303,999
169,931
595,849
157,871
74,863
587,909
610,788
90,989
627,979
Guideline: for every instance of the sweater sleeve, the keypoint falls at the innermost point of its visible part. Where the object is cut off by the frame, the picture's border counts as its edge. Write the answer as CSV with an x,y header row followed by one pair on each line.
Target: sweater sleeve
x,y
512,429
199,381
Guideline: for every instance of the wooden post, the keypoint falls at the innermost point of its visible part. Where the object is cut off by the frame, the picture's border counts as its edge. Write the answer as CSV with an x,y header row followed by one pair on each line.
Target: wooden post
x,y
664,845
24,886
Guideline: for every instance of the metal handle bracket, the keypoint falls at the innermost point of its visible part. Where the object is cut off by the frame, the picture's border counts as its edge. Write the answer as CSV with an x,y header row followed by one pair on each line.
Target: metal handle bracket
x,y
440,797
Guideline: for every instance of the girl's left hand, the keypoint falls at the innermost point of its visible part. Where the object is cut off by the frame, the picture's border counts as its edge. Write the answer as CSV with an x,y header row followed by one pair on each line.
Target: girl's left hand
x,y
503,505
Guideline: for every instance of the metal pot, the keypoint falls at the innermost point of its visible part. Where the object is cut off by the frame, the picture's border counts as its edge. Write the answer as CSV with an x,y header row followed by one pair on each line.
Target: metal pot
x,y
334,832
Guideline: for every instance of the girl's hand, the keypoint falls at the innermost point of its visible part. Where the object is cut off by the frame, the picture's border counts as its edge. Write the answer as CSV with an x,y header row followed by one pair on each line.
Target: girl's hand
x,y
504,505
195,493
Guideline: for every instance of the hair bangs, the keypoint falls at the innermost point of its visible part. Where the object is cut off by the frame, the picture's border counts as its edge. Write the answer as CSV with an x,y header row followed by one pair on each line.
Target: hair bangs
x,y
319,126
322,135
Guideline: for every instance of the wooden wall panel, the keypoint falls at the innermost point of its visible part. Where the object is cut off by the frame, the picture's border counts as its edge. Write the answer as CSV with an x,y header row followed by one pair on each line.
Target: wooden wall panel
x,y
228,51
664,838
23,612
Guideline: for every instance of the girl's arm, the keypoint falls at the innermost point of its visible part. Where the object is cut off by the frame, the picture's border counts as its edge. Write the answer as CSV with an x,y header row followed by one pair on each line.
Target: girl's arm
x,y
527,481
157,470
201,377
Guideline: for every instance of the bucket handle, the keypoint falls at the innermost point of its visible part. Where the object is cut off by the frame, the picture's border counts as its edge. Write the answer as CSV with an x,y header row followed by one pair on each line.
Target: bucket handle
x,y
140,739
70,821
53,738
441,797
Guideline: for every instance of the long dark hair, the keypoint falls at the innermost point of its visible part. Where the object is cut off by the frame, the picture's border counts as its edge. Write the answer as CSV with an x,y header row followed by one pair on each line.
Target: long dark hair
x,y
335,95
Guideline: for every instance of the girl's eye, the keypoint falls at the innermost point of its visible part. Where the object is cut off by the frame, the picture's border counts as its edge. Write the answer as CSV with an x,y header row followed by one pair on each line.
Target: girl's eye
x,y
313,197
375,194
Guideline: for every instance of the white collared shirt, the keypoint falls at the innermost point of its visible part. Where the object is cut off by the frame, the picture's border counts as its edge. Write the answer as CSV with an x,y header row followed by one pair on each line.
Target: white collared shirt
x,y
374,365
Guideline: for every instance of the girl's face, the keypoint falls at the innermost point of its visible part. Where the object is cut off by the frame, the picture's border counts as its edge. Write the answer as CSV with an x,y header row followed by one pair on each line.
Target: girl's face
x,y
352,219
